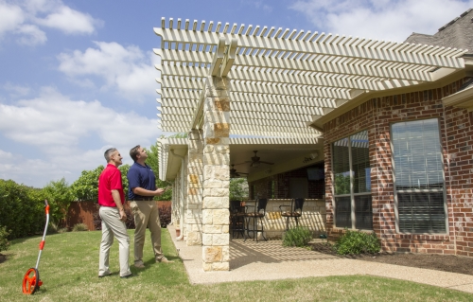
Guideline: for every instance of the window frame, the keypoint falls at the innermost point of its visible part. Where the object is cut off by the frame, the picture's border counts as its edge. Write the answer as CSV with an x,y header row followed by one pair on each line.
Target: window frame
x,y
442,190
352,195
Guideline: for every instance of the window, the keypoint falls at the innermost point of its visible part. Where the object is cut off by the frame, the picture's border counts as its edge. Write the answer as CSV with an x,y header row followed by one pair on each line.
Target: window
x,y
419,181
352,182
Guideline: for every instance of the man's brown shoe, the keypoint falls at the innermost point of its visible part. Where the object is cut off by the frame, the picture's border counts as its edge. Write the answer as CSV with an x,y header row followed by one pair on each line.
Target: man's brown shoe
x,y
165,260
139,265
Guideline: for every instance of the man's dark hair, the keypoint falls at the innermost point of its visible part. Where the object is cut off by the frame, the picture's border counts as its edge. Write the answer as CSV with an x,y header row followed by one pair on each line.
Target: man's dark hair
x,y
108,153
134,152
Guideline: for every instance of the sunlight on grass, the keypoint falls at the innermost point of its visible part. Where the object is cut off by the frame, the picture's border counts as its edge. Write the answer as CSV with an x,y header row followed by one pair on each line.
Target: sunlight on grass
x,y
69,266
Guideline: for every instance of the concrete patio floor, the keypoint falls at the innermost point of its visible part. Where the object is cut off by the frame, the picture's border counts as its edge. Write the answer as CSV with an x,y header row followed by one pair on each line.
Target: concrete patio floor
x,y
269,260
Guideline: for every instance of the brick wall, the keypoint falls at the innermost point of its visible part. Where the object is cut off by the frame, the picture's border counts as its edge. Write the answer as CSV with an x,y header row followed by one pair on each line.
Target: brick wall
x,y
459,177
376,116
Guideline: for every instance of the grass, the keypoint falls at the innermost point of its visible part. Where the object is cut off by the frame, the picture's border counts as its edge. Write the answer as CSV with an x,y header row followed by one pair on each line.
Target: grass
x,y
69,266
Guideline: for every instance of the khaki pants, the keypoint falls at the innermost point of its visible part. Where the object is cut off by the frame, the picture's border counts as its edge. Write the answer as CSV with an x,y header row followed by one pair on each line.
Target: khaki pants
x,y
112,226
146,214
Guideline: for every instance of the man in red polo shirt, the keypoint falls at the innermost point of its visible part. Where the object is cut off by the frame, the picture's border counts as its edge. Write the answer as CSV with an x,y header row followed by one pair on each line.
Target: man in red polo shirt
x,y
111,199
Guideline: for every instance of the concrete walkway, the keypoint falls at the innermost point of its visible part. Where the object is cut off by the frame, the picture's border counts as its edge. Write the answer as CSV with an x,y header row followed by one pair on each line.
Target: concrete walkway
x,y
268,260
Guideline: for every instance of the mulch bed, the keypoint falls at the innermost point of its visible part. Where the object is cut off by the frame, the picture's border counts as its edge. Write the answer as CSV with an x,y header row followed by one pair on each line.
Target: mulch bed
x,y
2,258
447,263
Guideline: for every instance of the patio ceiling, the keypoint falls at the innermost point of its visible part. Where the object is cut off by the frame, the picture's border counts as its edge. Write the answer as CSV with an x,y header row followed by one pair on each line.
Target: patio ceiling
x,y
285,154
282,80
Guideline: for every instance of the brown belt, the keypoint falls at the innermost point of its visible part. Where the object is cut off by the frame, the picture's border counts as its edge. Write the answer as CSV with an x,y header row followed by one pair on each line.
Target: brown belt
x,y
143,198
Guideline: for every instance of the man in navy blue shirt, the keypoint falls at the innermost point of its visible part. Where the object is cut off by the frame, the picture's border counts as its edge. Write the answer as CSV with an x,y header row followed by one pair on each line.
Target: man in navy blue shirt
x,y
142,189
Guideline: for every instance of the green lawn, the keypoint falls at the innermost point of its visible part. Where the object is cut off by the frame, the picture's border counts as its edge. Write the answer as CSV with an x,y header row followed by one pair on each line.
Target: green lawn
x,y
69,264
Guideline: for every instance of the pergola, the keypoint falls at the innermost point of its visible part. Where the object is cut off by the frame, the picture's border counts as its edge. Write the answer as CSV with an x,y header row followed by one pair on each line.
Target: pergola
x,y
270,85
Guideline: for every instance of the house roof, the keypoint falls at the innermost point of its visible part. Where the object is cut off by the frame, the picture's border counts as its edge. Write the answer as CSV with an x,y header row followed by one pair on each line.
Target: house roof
x,y
457,33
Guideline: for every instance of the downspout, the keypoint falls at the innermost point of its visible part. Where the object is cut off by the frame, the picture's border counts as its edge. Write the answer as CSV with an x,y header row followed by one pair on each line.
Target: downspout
x,y
181,199
450,182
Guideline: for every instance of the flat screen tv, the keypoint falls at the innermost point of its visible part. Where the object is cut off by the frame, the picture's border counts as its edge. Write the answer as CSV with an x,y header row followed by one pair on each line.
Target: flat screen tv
x,y
315,173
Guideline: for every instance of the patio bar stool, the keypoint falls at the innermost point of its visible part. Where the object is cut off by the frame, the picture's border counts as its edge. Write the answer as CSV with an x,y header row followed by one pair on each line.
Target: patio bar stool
x,y
294,210
237,218
258,212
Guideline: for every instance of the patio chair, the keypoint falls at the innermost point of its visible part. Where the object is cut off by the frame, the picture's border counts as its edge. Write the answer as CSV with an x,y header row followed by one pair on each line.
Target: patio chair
x,y
294,210
258,212
237,218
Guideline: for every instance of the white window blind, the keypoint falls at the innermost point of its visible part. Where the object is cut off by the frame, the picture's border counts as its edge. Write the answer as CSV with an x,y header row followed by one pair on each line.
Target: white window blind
x,y
419,181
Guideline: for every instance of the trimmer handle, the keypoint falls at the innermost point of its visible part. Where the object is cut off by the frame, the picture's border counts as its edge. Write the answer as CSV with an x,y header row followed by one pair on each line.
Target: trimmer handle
x,y
47,206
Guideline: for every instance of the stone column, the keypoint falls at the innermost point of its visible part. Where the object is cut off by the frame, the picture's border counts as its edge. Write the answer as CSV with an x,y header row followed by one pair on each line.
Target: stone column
x,y
216,164
193,218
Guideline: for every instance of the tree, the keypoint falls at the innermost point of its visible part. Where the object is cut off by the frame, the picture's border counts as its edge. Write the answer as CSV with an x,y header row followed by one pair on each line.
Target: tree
x,y
124,170
153,162
239,189
59,196
85,188
342,183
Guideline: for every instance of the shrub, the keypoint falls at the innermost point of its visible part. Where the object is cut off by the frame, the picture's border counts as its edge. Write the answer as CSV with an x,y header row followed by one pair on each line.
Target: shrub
x,y
53,228
165,216
21,209
130,220
354,242
59,197
299,236
80,227
3,238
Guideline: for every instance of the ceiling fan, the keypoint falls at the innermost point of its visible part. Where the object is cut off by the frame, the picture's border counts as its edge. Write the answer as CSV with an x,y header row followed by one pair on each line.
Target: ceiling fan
x,y
235,174
255,161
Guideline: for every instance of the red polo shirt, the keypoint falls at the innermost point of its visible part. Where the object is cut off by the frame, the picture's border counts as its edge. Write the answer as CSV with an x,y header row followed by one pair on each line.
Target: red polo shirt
x,y
110,179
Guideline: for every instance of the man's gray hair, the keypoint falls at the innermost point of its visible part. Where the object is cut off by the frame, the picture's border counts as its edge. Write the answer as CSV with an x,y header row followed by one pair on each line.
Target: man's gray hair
x,y
108,153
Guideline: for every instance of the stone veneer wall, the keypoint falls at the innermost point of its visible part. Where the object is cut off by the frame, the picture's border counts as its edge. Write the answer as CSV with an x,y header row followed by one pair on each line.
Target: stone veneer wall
x,y
216,176
194,183
376,116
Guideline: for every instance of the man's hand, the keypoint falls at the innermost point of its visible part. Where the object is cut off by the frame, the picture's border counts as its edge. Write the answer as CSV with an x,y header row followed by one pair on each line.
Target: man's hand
x,y
122,216
158,191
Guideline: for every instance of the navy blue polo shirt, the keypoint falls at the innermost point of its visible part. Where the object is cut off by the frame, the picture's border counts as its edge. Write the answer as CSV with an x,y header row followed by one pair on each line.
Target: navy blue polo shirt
x,y
140,176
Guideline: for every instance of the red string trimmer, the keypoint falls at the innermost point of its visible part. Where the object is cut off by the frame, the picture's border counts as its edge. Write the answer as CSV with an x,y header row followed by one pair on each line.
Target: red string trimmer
x,y
31,280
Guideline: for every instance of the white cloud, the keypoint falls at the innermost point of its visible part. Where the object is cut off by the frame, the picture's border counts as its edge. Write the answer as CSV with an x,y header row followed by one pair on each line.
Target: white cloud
x,y
16,90
54,120
25,18
127,69
31,35
5,155
259,4
390,20
58,130
69,21
11,17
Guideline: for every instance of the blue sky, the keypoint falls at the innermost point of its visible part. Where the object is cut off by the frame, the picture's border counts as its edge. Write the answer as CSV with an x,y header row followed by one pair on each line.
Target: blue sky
x,y
78,77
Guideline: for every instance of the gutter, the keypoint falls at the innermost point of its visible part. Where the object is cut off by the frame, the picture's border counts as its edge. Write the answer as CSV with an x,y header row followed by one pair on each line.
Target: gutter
x,y
181,199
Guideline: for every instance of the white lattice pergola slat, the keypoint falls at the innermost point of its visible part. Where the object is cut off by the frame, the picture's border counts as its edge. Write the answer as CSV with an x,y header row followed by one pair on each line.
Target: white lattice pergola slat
x,y
255,74
281,80
316,44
